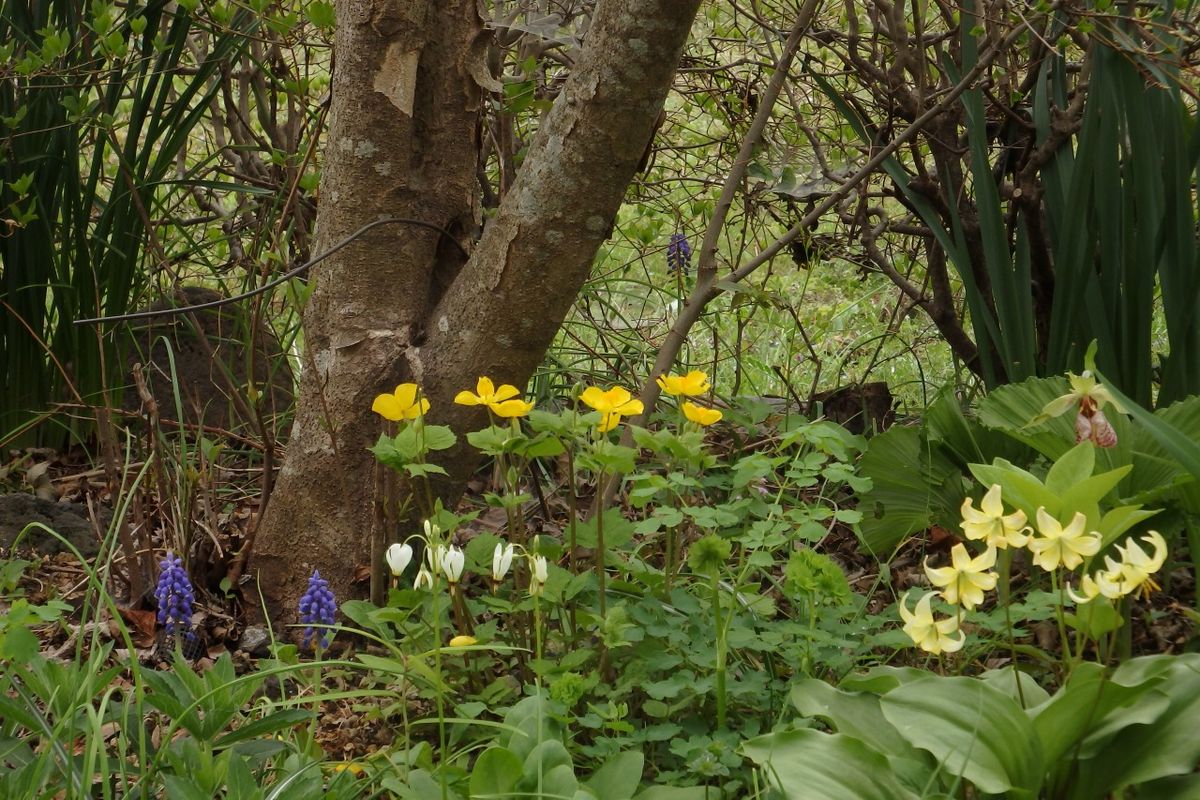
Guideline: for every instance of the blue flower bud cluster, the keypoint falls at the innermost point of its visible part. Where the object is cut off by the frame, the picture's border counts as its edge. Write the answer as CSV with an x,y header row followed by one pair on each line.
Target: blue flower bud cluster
x,y
317,609
679,254
175,596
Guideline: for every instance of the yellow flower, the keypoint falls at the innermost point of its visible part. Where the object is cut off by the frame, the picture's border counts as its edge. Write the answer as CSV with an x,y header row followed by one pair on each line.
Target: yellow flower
x,y
690,385
401,404
931,635
1137,566
503,402
701,415
613,404
991,525
966,579
463,641
1062,546
349,766
1106,583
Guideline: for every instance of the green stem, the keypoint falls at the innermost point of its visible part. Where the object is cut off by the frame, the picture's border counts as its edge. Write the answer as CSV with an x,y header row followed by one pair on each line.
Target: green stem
x,y
720,631
1005,598
600,478
1062,623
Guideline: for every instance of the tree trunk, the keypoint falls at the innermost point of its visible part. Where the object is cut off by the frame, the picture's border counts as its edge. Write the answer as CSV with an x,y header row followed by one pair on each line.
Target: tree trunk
x,y
399,304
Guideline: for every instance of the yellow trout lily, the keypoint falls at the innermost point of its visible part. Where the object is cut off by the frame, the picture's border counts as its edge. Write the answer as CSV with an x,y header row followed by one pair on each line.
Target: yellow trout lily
x,y
700,415
403,404
1058,546
964,582
612,404
503,402
990,524
690,385
1137,567
931,635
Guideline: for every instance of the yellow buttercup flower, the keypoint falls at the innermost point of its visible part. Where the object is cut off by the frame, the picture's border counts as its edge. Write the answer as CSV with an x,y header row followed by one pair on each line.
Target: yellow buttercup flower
x,y
701,415
690,385
990,524
612,404
401,404
966,579
1059,546
463,641
930,634
503,402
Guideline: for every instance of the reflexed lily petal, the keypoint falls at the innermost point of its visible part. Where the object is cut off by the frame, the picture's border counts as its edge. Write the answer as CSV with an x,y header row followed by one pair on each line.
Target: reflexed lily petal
x,y
931,635
991,525
966,580
1058,546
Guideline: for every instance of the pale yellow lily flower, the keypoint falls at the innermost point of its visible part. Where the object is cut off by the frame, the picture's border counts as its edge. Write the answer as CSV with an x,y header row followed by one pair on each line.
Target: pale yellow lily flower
x,y
1137,567
990,524
966,579
1106,583
931,635
1058,546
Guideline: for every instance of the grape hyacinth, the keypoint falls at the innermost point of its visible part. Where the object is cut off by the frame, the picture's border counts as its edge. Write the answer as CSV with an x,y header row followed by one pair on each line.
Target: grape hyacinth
x,y
679,254
174,595
317,610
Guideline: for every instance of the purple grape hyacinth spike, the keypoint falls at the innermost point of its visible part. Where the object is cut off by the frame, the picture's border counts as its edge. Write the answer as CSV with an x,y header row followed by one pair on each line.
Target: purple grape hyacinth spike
x,y
679,254
175,596
317,610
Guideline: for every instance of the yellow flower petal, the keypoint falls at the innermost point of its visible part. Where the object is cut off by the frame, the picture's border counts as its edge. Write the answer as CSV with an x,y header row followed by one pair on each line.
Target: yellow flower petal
x,y
465,398
388,407
701,415
511,408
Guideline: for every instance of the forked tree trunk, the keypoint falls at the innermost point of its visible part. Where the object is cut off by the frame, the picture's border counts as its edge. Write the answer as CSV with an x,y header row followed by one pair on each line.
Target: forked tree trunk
x,y
400,304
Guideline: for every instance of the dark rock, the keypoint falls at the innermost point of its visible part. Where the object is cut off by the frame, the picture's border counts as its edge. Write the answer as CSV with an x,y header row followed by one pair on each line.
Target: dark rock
x,y
69,520
210,364
256,640
867,408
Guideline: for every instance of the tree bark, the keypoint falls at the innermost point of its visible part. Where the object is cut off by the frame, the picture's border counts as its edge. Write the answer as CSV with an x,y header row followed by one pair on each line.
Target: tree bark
x,y
400,304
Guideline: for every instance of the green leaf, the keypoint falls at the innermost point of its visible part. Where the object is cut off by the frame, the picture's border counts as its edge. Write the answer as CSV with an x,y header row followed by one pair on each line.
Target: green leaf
x,y
910,489
272,723
496,773
1148,746
1071,468
972,730
618,531
619,777
809,765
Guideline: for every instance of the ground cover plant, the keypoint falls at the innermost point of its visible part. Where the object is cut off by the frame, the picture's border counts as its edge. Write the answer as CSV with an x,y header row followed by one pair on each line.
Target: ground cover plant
x,y
692,400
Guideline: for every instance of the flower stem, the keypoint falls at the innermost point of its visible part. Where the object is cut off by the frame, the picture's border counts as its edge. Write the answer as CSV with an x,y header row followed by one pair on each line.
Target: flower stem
x,y
720,643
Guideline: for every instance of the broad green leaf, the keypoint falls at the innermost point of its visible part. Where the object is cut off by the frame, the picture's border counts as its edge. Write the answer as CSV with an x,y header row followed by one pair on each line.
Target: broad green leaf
x,y
809,765
1073,466
495,773
972,730
1077,708
618,778
1153,746
855,714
